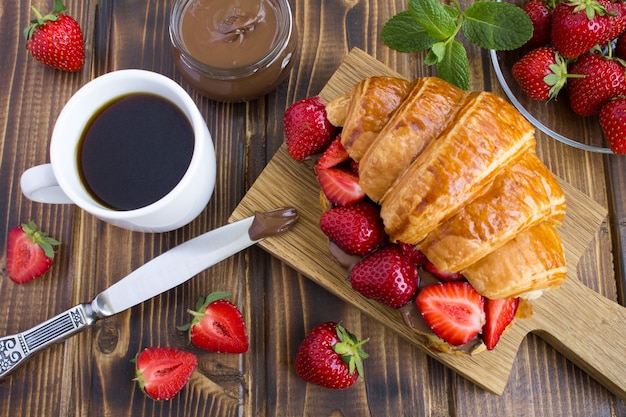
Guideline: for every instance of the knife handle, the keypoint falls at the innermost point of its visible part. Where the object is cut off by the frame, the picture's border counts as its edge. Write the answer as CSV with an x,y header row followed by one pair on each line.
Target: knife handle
x,y
15,349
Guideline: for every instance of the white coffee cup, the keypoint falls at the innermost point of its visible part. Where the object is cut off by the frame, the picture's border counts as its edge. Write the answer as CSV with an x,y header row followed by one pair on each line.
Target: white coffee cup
x,y
59,182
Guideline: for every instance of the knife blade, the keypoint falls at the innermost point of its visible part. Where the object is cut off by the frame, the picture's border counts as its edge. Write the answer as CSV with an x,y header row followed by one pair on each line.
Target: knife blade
x,y
162,273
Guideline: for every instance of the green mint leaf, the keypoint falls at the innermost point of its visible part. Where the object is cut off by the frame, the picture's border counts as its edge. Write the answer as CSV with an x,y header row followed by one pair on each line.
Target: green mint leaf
x,y
404,34
434,18
436,54
454,67
496,25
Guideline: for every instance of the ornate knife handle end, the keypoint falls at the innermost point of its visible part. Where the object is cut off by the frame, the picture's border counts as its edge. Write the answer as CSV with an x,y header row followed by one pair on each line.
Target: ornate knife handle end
x,y
15,349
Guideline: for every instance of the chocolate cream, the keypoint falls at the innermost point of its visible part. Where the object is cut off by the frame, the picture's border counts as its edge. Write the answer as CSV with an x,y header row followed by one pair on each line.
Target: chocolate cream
x,y
272,223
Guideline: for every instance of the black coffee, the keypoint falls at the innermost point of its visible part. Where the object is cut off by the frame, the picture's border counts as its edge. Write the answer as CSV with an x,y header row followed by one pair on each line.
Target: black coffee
x,y
134,151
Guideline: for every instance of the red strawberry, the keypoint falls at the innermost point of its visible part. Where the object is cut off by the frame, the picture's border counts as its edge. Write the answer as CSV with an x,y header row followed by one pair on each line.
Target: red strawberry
x,y
541,73
444,276
307,129
357,229
620,46
413,253
541,17
341,187
330,356
162,372
453,310
387,275
333,155
603,78
613,124
217,325
30,252
498,315
56,39
579,25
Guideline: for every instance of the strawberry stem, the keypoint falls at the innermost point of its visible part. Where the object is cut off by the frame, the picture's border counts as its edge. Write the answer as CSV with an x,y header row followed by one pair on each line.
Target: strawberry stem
x,y
349,347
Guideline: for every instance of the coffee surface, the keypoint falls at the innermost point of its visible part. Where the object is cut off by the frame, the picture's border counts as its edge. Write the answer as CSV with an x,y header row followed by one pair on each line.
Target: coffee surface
x,y
134,151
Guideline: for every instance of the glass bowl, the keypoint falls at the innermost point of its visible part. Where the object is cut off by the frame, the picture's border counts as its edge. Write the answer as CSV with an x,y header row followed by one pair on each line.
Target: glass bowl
x,y
554,118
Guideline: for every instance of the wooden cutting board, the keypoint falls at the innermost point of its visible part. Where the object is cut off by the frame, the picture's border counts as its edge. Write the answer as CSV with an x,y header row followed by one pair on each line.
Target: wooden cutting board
x,y
575,320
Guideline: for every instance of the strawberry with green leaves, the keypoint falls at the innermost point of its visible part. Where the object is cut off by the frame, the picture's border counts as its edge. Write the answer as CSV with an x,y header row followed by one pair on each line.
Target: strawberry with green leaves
x,y
307,128
162,372
30,253
541,73
613,124
217,325
387,275
602,78
330,356
56,39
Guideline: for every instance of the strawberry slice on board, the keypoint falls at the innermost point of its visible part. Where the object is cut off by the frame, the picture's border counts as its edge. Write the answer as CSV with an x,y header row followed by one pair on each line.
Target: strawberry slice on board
x,y
498,315
162,372
444,276
453,310
334,155
30,253
217,325
341,187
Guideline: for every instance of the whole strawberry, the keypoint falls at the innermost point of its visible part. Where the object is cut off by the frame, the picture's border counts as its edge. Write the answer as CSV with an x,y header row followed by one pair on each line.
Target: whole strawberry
x,y
540,14
330,356
162,372
602,79
357,229
541,73
387,276
579,25
217,326
613,124
307,129
56,39
30,253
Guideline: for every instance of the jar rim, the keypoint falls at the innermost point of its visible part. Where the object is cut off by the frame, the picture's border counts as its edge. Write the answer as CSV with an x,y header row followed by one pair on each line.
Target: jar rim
x,y
281,43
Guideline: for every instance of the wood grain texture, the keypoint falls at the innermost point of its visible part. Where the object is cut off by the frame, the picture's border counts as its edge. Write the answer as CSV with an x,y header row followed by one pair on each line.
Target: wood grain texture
x,y
90,374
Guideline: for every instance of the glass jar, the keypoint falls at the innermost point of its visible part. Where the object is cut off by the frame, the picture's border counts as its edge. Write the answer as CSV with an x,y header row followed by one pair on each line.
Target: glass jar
x,y
233,50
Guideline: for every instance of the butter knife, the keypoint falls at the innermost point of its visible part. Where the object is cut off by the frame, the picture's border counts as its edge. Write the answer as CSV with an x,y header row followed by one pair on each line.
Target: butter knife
x,y
162,273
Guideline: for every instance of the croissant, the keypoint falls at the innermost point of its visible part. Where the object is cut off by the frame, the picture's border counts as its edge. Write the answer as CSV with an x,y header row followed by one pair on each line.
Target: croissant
x,y
455,173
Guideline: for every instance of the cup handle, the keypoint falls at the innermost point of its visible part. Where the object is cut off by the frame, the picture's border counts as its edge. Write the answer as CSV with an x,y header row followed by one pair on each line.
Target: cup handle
x,y
39,184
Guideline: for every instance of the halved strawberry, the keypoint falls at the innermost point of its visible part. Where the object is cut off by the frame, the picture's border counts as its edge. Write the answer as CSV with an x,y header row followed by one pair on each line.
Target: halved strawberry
x,y
357,229
340,187
453,310
444,276
387,275
333,155
30,253
307,129
498,315
162,372
217,325
413,253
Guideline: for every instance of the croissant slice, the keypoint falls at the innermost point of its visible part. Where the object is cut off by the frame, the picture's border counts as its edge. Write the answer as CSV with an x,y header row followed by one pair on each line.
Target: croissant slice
x,y
521,196
486,135
525,266
418,121
373,102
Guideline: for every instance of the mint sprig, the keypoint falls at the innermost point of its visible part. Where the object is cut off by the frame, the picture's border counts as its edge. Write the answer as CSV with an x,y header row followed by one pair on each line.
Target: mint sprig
x,y
428,25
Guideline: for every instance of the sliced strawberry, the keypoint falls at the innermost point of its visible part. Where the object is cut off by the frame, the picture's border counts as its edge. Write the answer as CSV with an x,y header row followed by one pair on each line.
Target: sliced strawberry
x,y
357,229
444,276
334,155
413,253
453,310
217,326
340,187
30,253
162,372
307,129
387,276
498,315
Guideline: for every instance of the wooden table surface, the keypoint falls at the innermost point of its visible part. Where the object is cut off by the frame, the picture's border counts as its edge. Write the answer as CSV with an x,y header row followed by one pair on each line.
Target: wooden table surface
x,y
91,374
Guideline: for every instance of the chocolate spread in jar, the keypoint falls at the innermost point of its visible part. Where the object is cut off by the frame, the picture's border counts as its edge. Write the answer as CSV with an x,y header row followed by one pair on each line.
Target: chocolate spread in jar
x,y
233,50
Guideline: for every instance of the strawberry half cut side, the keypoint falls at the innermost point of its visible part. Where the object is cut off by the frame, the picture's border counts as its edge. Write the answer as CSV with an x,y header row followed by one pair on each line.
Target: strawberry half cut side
x,y
162,372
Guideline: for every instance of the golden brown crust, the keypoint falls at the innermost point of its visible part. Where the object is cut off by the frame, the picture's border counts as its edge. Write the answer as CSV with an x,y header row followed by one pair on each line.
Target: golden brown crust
x,y
373,102
487,134
337,110
420,118
532,261
521,196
